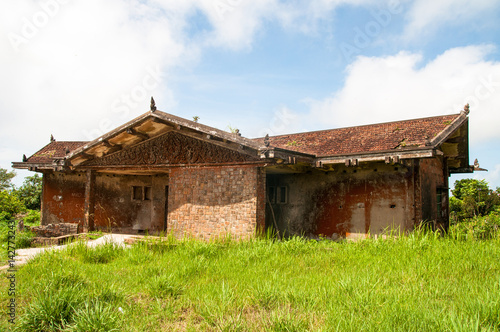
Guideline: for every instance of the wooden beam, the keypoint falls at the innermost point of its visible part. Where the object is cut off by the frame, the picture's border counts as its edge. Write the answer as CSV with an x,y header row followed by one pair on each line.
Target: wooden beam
x,y
111,147
132,131
86,155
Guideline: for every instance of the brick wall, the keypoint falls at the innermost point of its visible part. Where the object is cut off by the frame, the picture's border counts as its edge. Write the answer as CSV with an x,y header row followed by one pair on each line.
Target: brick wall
x,y
214,201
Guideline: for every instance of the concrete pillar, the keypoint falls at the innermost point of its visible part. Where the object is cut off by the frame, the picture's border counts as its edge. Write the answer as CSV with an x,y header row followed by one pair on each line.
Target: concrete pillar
x,y
261,201
89,208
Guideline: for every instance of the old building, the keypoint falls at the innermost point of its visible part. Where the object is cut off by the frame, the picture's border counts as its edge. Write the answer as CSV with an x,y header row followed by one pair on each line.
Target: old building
x,y
162,173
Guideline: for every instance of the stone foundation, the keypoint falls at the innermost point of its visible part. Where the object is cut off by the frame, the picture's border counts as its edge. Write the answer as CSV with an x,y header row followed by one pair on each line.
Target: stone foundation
x,y
55,230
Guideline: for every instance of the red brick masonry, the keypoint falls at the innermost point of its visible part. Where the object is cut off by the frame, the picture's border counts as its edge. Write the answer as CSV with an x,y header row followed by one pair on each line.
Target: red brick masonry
x,y
210,202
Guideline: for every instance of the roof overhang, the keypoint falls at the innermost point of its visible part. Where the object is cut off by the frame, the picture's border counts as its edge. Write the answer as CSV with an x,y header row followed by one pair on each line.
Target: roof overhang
x,y
153,124
452,144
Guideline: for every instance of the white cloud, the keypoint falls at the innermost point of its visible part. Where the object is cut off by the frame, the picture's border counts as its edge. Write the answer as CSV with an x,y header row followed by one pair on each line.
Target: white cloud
x,y
78,68
424,16
379,89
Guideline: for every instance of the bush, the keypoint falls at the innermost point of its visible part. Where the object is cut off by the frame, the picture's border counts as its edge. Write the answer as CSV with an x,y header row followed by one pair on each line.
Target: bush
x,y
32,218
10,204
479,228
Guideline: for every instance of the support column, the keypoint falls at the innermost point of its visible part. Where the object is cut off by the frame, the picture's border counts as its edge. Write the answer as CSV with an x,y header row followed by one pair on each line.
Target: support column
x,y
89,208
261,201
417,192
42,199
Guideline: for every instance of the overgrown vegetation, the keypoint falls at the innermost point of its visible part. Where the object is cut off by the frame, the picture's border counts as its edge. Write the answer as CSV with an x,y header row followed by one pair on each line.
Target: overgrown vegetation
x,y
18,204
475,209
424,281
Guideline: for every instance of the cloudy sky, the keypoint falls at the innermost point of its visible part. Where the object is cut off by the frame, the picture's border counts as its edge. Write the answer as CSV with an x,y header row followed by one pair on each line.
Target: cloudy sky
x,y
78,68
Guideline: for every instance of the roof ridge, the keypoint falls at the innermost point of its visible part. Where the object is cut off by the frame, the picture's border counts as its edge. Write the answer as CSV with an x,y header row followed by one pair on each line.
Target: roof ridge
x,y
361,126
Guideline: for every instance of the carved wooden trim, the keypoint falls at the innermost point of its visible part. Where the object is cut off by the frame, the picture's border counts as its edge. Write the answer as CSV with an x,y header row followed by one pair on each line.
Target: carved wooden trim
x,y
171,148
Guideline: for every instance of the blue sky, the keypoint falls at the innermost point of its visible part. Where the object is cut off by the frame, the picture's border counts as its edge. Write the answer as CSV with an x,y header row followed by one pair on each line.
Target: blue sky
x,y
78,68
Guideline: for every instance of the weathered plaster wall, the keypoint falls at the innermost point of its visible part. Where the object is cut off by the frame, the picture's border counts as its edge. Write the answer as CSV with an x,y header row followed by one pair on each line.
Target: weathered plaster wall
x,y
349,201
210,202
433,178
63,198
115,208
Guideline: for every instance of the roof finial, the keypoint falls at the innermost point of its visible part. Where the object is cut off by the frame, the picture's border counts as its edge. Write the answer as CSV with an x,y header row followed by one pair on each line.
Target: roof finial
x,y
66,150
24,158
476,164
52,139
153,105
267,142
467,109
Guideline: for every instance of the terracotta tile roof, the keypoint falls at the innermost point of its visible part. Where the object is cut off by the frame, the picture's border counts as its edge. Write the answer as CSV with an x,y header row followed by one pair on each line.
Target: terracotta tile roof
x,y
361,139
52,150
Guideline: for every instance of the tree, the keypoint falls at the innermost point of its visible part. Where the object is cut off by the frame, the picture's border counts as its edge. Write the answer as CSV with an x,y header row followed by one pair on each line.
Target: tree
x,y
30,193
6,179
10,205
472,198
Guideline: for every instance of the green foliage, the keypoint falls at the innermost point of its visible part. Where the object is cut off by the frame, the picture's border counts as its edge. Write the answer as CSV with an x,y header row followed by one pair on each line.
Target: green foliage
x,y
30,193
66,306
469,188
24,239
231,129
10,204
94,317
6,179
478,228
424,281
32,218
292,143
472,198
101,254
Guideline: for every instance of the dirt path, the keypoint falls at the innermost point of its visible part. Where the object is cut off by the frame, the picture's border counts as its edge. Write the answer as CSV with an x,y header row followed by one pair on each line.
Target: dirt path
x,y
24,255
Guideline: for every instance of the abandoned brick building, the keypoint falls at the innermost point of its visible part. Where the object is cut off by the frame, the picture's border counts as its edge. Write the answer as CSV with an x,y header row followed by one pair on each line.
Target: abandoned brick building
x,y
162,173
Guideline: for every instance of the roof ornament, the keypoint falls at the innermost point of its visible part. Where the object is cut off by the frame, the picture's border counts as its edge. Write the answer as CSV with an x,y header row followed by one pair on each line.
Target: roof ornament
x,y
153,105
237,132
24,158
476,164
267,142
67,150
467,109
52,139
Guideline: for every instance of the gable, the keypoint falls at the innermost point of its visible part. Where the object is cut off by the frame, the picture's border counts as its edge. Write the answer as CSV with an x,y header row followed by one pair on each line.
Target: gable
x,y
171,148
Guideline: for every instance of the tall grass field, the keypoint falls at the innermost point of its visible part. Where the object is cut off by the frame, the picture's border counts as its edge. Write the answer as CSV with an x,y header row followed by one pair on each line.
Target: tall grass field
x,y
420,282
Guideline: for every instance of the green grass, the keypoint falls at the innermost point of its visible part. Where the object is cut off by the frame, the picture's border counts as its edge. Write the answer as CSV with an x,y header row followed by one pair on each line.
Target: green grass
x,y
420,282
